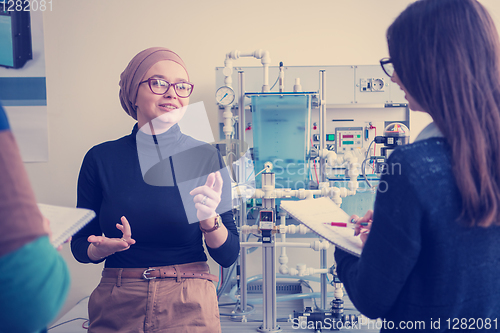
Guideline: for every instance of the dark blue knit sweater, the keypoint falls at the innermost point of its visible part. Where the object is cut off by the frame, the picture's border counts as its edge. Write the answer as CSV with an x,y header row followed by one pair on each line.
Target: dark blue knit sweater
x,y
111,183
419,263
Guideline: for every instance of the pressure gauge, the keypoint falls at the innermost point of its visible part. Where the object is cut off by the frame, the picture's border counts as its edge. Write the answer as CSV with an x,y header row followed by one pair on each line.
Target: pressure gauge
x,y
224,95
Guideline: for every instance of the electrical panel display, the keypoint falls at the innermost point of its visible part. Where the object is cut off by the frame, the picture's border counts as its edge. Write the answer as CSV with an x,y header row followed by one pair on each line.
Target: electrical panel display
x,y
330,141
348,138
329,137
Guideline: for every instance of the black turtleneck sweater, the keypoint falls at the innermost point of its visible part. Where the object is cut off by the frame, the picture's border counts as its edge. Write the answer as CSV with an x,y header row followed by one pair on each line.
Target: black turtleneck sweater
x,y
148,179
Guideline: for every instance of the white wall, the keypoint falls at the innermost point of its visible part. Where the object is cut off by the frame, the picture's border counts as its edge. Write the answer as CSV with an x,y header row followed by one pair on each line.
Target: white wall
x,y
88,44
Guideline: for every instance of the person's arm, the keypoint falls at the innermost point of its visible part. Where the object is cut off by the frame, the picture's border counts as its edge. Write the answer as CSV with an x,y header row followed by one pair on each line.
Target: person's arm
x,y
89,195
226,254
20,219
34,285
34,279
374,281
223,244
88,245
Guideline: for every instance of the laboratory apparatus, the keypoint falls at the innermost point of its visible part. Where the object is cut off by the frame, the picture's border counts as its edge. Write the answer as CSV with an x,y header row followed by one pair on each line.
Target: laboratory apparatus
x,y
310,134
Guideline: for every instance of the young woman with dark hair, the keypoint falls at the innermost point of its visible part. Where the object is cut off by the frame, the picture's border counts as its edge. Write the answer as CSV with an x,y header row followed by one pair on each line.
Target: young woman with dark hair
x,y
431,256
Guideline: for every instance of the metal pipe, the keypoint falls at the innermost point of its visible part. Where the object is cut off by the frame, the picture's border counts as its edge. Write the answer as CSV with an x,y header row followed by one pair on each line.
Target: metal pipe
x,y
322,121
323,280
241,116
269,311
243,277
322,145
269,322
241,179
258,54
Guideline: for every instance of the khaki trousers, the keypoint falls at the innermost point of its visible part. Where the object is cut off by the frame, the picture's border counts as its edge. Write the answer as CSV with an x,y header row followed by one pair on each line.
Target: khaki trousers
x,y
167,305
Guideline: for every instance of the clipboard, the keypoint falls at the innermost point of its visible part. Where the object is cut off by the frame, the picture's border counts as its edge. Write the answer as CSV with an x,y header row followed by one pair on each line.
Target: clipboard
x,y
317,213
65,221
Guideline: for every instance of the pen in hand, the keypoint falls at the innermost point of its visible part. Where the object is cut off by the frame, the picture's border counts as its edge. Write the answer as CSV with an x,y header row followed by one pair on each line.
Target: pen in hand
x,y
362,225
345,225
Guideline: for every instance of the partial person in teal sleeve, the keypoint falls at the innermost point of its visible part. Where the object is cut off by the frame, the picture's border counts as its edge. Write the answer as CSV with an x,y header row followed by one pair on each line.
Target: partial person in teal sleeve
x,y
34,278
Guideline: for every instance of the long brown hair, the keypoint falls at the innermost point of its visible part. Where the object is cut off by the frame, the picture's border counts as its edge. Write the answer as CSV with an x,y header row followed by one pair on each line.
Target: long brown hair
x,y
446,53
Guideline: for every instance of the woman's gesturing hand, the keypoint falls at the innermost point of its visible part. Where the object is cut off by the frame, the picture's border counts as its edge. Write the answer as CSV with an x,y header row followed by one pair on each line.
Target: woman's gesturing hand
x,y
102,246
208,196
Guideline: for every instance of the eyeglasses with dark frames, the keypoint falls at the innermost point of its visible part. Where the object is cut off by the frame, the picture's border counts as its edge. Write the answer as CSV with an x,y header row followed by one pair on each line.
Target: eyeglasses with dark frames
x,y
160,87
387,66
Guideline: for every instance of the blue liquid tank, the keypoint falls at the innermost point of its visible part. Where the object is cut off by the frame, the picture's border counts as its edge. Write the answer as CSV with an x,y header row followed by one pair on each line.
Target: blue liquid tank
x,y
281,135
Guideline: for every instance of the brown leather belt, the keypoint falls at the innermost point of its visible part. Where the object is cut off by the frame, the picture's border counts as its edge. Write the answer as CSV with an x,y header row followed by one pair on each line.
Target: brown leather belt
x,y
192,270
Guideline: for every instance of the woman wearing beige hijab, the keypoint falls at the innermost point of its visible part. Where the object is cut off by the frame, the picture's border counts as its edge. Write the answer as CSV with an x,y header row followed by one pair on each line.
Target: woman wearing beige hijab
x,y
156,278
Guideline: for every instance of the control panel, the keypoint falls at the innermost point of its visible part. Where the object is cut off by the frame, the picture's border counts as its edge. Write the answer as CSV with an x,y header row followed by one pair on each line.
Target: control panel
x,y
348,138
330,141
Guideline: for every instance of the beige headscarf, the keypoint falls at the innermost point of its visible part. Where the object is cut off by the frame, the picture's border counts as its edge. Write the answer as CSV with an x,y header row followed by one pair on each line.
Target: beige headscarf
x,y
133,74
